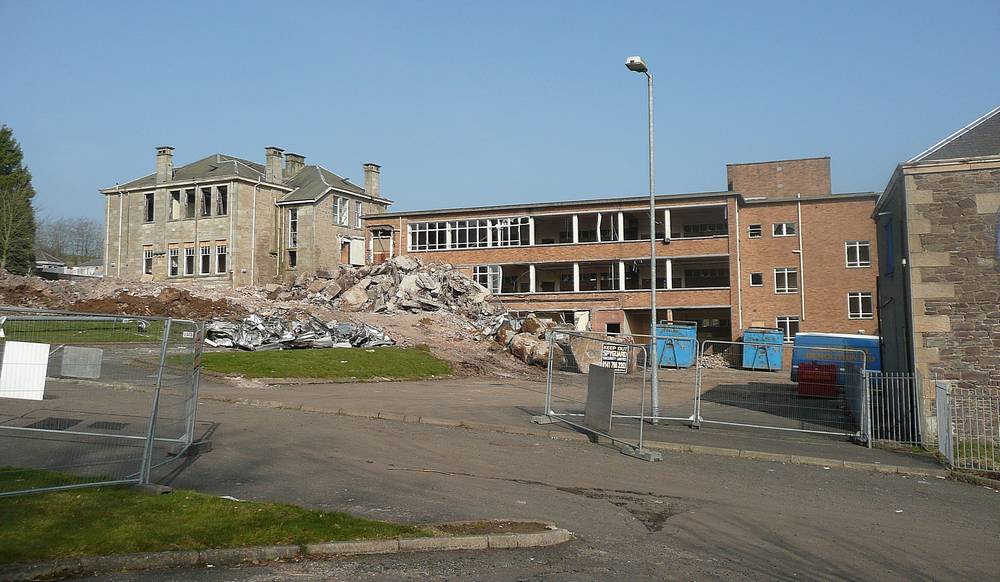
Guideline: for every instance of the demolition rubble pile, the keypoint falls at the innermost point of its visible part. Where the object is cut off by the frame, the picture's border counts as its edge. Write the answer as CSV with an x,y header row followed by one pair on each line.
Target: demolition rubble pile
x,y
257,333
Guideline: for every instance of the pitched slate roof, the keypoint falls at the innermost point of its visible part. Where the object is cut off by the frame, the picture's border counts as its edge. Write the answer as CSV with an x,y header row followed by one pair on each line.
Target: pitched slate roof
x,y
981,138
205,168
313,182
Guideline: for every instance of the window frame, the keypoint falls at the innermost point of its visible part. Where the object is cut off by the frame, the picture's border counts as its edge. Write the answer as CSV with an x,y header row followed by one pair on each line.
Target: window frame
x,y
222,200
358,211
786,289
759,230
221,255
147,260
759,274
784,229
174,262
189,260
491,274
786,329
149,207
860,296
293,228
206,202
857,245
205,259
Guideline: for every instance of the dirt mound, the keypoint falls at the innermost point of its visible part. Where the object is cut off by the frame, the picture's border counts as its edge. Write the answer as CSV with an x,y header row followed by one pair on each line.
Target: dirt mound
x,y
171,302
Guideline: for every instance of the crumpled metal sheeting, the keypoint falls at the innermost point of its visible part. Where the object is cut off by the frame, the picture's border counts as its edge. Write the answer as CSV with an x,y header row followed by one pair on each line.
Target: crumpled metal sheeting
x,y
256,333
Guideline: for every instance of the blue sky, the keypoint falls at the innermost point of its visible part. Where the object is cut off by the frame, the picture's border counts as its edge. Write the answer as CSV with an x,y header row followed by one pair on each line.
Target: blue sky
x,y
492,102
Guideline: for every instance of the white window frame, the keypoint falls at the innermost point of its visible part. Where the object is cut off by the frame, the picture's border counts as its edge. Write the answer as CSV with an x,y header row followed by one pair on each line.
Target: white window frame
x,y
221,252
147,261
174,268
204,250
221,200
780,229
189,261
358,211
427,236
755,228
489,276
293,228
857,245
341,211
761,284
211,201
856,299
785,289
784,323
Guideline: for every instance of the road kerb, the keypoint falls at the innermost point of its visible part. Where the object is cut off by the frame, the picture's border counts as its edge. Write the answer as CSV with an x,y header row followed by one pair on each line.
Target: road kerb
x,y
233,556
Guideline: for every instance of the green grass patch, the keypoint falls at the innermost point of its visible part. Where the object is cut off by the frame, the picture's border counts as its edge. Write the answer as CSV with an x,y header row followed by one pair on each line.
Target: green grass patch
x,y
59,331
394,363
118,520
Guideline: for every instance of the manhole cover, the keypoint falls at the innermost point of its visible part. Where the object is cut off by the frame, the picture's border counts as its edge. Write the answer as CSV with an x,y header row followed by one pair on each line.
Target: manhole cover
x,y
106,425
54,423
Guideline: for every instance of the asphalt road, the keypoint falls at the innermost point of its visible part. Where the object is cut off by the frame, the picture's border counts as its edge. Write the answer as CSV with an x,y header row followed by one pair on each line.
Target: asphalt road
x,y
688,517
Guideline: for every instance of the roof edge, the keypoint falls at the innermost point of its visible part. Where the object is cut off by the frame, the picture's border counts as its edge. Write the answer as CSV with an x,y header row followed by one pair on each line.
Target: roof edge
x,y
964,130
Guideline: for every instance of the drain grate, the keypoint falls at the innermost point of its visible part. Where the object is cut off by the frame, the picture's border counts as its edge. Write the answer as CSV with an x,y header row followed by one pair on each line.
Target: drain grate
x,y
107,425
55,423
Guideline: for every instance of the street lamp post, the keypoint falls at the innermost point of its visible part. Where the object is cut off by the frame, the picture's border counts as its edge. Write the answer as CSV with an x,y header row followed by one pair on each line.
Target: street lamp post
x,y
637,65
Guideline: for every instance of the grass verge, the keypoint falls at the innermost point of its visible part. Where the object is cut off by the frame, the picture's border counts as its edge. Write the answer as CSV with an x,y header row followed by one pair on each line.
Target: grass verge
x,y
393,363
120,520
63,331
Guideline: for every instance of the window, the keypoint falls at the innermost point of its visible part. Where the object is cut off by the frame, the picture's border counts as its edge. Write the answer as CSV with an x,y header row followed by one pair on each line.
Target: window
x,y
189,260
341,210
221,256
756,279
613,328
206,202
510,232
466,234
786,280
150,205
694,230
488,276
755,231
206,259
858,253
293,228
175,204
221,200
358,211
788,324
783,229
175,261
859,305
189,203
428,236
147,260
293,258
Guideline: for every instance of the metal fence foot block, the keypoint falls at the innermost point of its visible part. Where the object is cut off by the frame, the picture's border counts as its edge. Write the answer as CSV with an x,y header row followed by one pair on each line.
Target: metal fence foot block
x,y
542,419
644,454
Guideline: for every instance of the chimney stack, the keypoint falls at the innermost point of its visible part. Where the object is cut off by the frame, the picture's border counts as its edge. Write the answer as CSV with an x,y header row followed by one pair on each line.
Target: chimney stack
x,y
372,175
272,166
164,164
293,164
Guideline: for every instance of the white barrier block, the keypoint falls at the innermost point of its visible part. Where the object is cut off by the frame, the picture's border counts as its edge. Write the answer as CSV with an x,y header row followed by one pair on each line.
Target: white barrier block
x,y
23,370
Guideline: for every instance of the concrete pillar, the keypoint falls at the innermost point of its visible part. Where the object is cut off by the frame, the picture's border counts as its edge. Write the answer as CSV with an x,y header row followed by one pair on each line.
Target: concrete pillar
x,y
576,274
531,278
621,273
164,164
599,215
576,230
272,164
621,226
666,223
489,233
373,178
531,230
669,273
447,238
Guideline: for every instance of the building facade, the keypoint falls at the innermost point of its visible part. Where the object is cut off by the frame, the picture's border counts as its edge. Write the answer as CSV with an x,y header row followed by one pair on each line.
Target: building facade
x,y
939,280
788,254
228,221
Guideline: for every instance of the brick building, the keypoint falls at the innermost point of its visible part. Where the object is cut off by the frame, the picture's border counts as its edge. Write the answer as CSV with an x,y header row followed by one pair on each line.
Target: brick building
x,y
230,221
939,280
776,249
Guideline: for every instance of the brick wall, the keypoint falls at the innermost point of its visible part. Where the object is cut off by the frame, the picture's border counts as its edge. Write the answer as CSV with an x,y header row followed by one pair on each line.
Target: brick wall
x,y
780,178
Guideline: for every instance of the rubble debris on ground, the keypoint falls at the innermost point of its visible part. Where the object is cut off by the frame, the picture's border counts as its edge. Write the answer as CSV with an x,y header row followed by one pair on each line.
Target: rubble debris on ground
x,y
255,333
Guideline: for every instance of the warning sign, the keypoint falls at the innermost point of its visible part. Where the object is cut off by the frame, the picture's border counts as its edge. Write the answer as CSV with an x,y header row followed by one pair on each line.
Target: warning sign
x,y
615,356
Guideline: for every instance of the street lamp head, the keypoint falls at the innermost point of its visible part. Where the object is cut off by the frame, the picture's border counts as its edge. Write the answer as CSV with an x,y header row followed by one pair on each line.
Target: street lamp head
x,y
636,64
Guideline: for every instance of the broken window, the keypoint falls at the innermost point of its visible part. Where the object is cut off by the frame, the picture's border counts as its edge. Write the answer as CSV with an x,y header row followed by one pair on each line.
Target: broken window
x,y
786,280
510,232
206,259
789,324
756,279
858,253
783,229
189,203
859,305
341,211
221,200
221,256
175,204
175,261
467,234
189,260
293,228
488,276
150,206
147,260
755,231
293,258
206,202
358,211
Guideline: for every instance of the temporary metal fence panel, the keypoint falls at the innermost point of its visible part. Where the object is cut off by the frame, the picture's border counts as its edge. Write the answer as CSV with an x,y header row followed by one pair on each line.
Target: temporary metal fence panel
x,y
827,395
894,407
93,399
975,428
942,406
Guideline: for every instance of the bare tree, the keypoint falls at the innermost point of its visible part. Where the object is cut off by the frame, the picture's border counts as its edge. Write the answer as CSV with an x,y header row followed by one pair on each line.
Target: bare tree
x,y
75,240
16,226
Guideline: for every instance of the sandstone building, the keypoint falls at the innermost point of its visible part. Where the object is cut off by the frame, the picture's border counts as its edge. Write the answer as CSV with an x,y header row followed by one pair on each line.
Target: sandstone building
x,y
229,221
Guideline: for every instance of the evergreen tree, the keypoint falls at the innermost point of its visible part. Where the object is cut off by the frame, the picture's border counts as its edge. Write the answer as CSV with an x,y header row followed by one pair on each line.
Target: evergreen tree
x,y
17,215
